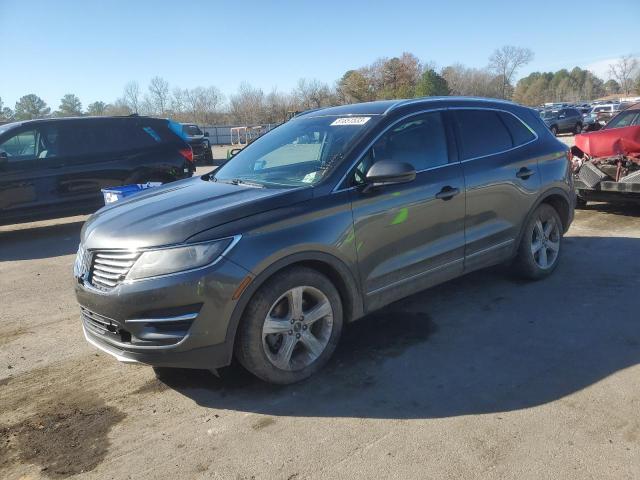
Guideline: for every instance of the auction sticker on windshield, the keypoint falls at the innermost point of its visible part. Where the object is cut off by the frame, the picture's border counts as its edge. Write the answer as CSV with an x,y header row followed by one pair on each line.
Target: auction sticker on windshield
x,y
350,121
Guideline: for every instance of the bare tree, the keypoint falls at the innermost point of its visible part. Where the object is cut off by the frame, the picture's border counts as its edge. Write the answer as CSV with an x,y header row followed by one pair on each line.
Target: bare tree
x,y
466,81
506,61
247,105
313,94
157,99
624,72
131,96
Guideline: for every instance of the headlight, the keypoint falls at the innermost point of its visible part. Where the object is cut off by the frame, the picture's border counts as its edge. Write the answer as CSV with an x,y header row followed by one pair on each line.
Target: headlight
x,y
153,263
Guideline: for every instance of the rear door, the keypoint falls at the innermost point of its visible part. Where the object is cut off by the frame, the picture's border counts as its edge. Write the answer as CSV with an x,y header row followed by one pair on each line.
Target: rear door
x,y
409,236
502,181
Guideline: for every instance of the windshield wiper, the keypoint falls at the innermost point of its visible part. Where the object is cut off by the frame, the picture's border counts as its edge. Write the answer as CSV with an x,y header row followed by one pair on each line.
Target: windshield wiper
x,y
240,181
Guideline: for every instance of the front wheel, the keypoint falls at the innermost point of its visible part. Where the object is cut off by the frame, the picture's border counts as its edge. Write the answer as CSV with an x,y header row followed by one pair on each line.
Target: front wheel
x,y
578,128
554,131
541,243
291,326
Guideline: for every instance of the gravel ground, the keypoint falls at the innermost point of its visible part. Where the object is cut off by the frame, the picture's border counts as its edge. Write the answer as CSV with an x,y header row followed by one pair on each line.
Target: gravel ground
x,y
483,377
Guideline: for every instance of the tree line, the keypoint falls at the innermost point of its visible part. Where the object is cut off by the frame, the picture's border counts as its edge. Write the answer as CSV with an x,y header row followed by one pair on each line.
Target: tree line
x,y
404,76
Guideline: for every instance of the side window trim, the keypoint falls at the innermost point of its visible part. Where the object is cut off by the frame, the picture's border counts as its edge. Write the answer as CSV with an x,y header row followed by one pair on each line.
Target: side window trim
x,y
451,130
502,151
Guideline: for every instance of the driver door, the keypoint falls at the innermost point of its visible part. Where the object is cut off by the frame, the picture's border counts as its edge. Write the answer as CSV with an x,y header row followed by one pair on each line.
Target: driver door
x,y
410,236
28,172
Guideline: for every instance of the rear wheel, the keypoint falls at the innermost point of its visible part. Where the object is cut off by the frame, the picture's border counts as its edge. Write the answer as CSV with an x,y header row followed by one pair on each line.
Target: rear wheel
x,y
578,128
554,130
291,326
541,243
208,154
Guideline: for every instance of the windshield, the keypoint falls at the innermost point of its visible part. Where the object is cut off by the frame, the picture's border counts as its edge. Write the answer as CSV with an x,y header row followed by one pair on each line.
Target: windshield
x,y
625,119
191,130
300,152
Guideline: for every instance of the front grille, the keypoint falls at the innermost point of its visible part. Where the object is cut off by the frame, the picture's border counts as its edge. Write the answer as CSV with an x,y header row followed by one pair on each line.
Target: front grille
x,y
111,267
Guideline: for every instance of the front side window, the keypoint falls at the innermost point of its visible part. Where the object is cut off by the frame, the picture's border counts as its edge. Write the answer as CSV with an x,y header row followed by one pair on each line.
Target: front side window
x,y
21,146
481,133
300,152
420,141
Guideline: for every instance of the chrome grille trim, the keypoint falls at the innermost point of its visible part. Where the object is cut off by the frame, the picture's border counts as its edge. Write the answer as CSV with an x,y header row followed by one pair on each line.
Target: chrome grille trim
x,y
109,268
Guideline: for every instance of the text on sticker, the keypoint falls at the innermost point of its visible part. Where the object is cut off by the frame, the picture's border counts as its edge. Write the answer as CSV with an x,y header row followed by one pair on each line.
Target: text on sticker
x,y
350,121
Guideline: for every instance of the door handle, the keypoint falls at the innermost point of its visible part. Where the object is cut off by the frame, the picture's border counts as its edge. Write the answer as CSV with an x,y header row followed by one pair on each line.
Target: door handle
x,y
447,193
524,173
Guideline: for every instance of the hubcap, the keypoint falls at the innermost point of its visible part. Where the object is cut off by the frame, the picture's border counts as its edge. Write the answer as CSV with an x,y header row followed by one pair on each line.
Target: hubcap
x,y
297,328
545,242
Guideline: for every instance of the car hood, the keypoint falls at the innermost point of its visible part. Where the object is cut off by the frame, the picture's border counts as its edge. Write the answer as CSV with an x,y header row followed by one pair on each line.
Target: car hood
x,y
176,211
611,142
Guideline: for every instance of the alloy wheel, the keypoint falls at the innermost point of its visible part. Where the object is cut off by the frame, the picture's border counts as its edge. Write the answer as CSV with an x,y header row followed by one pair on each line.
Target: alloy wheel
x,y
297,328
545,242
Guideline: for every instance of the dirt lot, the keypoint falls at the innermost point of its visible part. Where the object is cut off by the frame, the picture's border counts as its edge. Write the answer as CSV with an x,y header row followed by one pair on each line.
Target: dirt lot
x,y
484,377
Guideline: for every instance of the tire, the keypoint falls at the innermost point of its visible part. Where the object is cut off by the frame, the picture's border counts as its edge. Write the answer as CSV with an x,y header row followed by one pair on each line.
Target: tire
x,y
278,348
580,202
541,244
578,128
208,154
554,130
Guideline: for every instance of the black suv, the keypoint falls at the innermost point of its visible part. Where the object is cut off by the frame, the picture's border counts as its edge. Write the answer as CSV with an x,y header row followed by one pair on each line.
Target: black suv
x,y
326,218
565,120
199,142
57,167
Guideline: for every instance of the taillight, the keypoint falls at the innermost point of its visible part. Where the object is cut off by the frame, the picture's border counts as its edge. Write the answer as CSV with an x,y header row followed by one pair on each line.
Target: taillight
x,y
187,153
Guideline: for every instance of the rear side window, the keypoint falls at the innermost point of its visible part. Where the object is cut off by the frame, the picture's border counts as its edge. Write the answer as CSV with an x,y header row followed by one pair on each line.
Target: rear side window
x,y
106,136
519,132
481,133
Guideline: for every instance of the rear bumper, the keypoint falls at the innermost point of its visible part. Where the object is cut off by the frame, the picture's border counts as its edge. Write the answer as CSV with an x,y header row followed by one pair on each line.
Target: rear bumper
x,y
607,191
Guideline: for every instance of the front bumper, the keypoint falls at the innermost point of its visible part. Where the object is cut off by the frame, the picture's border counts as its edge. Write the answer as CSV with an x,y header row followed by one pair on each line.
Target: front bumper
x,y
179,320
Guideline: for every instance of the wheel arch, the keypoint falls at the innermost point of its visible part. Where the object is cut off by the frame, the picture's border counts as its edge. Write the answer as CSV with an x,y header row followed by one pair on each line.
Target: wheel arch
x,y
560,200
333,268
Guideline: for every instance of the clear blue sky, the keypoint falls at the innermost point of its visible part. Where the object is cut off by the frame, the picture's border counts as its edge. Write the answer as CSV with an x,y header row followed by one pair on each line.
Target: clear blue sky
x,y
92,48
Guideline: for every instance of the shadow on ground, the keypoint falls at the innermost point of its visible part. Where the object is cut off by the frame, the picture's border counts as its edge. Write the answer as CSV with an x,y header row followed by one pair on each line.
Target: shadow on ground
x,y
626,209
42,241
482,343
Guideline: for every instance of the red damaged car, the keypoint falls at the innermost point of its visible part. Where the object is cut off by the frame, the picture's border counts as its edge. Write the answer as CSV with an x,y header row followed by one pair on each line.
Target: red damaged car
x,y
606,163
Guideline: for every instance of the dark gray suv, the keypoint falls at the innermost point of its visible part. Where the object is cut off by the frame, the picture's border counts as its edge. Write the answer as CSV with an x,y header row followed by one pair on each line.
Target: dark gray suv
x,y
328,217
565,120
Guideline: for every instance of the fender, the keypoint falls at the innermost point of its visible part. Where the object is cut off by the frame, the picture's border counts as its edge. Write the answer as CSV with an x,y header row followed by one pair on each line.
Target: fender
x,y
354,308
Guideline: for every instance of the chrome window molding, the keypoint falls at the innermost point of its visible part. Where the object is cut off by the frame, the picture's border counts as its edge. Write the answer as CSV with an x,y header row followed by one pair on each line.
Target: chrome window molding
x,y
440,109
501,151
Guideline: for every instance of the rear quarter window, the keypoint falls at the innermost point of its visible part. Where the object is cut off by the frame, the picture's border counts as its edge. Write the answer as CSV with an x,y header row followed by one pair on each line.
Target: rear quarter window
x,y
520,133
481,133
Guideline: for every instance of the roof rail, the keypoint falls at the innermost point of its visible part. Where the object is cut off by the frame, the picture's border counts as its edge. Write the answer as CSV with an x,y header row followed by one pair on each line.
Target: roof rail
x,y
410,101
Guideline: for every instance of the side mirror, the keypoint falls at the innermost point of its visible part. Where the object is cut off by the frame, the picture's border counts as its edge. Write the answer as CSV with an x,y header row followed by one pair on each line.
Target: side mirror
x,y
234,151
388,172
206,134
562,115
